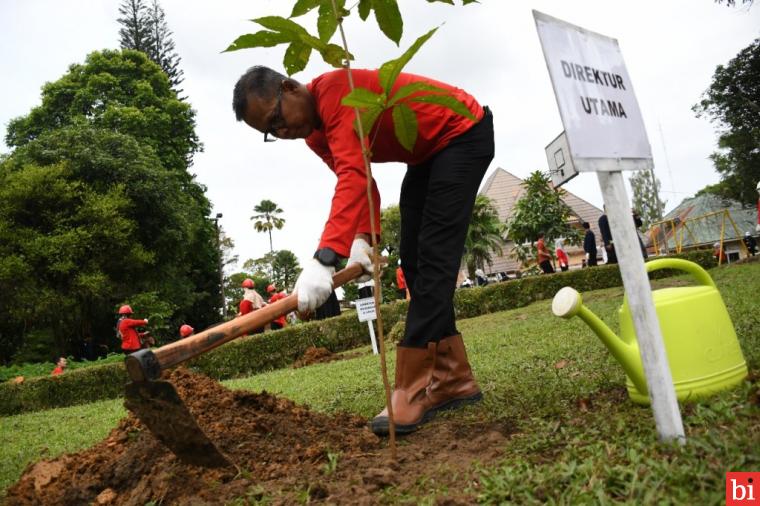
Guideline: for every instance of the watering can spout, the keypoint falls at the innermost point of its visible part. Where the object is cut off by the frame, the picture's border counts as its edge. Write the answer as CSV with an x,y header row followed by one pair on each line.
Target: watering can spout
x,y
568,303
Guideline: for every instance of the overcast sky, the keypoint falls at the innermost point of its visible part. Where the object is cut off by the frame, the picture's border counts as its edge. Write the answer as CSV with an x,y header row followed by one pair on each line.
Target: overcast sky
x,y
491,49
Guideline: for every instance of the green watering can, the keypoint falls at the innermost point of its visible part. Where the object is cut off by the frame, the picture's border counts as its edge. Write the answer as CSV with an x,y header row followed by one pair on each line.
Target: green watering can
x,y
700,341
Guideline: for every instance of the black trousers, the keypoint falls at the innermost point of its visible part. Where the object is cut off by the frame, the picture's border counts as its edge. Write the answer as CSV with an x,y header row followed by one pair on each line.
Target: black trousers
x,y
436,204
546,266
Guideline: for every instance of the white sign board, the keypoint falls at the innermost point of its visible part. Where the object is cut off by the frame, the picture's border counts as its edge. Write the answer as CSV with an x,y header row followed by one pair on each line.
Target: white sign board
x,y
365,309
560,162
596,101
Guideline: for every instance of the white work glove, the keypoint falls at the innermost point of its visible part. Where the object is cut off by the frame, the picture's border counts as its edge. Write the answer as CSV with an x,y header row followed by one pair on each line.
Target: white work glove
x,y
361,253
314,285
146,321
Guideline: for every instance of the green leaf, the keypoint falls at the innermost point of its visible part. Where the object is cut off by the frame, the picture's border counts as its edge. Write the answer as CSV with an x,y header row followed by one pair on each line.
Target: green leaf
x,y
280,24
303,6
365,6
407,90
296,57
362,97
327,23
389,71
389,19
468,2
264,38
334,55
447,101
405,126
368,117
450,2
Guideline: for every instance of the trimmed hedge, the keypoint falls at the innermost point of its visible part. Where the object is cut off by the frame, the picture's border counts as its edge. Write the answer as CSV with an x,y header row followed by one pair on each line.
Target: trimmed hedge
x,y
281,348
521,292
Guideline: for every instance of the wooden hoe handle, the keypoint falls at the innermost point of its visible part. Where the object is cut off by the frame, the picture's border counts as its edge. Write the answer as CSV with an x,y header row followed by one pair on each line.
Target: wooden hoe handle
x,y
148,364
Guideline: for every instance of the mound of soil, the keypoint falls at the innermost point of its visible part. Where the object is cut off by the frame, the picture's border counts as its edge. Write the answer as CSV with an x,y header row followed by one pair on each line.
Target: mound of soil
x,y
320,355
280,450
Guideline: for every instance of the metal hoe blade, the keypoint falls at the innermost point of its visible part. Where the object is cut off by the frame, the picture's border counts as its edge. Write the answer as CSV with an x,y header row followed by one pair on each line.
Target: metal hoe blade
x,y
158,406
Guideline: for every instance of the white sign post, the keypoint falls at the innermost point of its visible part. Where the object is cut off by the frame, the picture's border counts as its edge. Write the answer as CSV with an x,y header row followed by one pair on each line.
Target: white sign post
x,y
605,133
365,310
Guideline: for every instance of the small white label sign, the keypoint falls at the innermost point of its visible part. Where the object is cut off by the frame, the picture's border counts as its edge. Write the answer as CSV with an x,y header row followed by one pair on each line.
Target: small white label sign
x,y
365,309
596,101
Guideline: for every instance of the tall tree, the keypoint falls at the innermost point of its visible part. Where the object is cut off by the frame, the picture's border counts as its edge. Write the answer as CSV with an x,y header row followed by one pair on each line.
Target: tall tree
x,y
131,220
285,269
540,209
646,197
162,49
144,28
485,235
267,218
135,32
732,102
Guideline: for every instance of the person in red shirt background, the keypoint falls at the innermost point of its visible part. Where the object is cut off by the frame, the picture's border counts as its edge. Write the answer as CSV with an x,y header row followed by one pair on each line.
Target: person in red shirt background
x,y
274,296
544,257
60,366
131,339
403,291
444,170
562,259
251,301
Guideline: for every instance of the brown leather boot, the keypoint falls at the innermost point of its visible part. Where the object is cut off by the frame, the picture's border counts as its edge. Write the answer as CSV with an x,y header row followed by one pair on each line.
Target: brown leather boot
x,y
453,383
411,406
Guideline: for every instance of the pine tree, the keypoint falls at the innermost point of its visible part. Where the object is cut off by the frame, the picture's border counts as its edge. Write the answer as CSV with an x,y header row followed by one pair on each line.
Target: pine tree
x,y
646,197
162,48
144,28
135,32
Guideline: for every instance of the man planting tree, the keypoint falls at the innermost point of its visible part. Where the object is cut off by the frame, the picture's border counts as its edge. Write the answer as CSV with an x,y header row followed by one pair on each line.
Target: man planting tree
x,y
444,169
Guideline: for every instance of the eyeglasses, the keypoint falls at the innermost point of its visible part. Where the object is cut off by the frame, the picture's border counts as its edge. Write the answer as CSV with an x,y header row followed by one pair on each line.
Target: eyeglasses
x,y
277,121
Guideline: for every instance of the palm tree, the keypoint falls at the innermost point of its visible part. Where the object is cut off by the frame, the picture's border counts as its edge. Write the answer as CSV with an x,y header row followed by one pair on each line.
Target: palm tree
x,y
485,235
267,219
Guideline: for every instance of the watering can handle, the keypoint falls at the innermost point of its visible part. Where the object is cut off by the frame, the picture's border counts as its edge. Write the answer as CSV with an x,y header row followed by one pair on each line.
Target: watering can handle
x,y
695,270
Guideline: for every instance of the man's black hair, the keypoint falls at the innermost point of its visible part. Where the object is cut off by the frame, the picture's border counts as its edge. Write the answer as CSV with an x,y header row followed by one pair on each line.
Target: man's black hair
x,y
586,225
260,81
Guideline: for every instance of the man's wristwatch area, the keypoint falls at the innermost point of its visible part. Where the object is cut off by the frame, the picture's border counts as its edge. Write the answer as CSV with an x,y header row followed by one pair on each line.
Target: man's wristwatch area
x,y
328,257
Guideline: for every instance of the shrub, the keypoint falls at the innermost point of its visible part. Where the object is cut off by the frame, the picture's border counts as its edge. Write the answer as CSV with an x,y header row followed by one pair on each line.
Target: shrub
x,y
281,348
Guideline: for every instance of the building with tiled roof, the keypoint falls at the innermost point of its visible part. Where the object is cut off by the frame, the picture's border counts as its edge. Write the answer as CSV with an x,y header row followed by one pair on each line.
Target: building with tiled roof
x,y
505,189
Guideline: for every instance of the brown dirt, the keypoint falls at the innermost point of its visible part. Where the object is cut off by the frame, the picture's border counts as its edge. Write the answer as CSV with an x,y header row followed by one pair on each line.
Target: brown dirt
x,y
281,451
314,355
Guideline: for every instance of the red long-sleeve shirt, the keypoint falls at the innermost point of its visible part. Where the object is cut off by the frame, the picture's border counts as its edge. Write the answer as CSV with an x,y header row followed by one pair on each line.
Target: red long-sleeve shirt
x,y
562,257
338,145
130,340
400,279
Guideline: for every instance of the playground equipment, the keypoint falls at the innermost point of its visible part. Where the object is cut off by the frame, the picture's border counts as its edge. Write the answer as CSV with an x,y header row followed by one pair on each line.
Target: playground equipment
x,y
676,230
700,341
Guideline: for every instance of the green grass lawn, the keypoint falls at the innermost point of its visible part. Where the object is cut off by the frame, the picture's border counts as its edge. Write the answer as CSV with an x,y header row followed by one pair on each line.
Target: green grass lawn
x,y
577,440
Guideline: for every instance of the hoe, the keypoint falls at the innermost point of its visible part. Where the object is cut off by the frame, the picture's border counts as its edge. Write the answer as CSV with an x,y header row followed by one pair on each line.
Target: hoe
x,y
156,402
